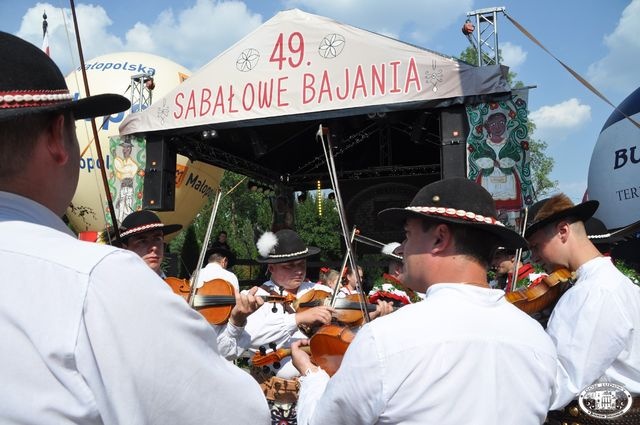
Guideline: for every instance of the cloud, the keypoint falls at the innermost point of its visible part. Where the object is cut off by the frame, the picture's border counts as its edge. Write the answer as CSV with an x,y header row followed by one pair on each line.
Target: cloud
x,y
196,34
426,18
191,37
513,56
560,119
93,22
618,70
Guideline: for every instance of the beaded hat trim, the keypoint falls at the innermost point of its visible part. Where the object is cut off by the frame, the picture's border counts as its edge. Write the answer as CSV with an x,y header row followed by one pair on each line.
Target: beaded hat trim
x,y
28,98
452,212
292,254
141,229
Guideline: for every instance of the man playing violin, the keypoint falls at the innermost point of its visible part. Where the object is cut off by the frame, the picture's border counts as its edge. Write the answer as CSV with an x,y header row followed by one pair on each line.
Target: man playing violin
x,y
233,340
595,323
277,325
463,354
143,233
90,334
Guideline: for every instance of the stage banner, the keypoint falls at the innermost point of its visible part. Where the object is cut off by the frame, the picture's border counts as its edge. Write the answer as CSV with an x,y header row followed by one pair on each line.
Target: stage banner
x,y
297,63
126,178
498,153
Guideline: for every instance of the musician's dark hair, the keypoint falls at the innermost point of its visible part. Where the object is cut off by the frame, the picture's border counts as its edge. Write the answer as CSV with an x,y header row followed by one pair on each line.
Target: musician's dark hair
x,y
469,241
18,138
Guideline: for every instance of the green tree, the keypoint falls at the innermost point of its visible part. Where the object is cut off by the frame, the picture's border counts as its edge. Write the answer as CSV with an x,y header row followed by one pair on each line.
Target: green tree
x,y
541,164
243,214
320,230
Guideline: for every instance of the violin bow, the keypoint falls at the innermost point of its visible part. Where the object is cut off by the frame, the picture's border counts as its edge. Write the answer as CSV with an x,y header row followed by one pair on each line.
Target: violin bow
x,y
203,249
376,244
103,172
518,256
328,154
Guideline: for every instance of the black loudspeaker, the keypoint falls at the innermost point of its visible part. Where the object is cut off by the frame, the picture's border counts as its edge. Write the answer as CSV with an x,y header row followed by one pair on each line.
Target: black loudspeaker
x,y
159,193
454,129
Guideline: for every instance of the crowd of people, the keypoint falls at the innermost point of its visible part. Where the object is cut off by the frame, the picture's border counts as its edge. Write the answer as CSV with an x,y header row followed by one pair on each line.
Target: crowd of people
x,y
93,334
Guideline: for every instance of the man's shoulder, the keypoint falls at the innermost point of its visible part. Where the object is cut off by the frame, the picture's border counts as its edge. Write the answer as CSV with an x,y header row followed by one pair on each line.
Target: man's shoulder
x,y
54,246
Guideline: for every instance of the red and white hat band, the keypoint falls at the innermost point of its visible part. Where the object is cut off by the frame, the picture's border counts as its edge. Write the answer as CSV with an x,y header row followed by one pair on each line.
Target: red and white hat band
x,y
454,213
141,229
29,98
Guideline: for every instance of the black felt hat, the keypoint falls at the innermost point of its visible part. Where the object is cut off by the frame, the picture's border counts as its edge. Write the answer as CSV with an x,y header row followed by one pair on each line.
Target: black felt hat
x,y
144,221
556,208
282,247
460,201
30,83
597,231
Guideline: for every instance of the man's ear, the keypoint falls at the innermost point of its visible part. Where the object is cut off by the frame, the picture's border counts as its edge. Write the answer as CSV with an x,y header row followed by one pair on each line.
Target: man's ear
x,y
55,140
563,228
441,234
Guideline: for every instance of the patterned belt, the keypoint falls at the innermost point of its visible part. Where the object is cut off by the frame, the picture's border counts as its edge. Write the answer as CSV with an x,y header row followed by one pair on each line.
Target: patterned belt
x,y
275,388
572,415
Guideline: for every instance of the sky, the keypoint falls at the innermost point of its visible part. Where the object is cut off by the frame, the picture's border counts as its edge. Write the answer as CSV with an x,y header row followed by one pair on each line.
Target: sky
x,y
597,39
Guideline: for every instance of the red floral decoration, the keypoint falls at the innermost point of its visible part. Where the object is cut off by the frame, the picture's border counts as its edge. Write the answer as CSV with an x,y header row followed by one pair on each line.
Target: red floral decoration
x,y
493,106
525,145
512,114
139,195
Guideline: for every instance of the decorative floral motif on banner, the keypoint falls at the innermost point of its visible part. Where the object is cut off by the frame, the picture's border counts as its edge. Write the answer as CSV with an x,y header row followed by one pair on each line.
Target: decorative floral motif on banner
x,y
126,175
498,153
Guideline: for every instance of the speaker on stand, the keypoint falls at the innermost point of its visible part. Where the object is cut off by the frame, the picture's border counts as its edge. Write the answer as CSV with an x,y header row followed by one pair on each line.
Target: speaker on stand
x,y
159,193
454,129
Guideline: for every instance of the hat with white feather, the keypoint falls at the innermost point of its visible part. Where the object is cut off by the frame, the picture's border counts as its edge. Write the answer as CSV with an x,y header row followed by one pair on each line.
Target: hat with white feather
x,y
282,247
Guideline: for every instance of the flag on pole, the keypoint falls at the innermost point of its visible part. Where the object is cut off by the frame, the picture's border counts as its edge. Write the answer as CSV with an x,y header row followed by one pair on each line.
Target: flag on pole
x,y
45,34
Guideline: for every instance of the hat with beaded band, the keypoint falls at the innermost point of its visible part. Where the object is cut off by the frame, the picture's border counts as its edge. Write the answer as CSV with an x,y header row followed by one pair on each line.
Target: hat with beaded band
x,y
144,221
458,201
31,83
282,247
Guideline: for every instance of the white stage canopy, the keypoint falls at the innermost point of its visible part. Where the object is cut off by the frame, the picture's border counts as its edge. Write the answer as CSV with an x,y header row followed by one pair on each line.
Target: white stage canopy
x,y
298,63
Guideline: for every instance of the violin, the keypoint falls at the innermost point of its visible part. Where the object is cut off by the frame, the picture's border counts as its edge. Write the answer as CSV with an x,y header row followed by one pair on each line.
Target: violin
x,y
348,310
328,343
327,347
542,294
216,298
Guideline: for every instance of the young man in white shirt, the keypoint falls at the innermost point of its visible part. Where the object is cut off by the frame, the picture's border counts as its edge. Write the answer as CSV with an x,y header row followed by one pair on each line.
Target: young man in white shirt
x,y
595,323
463,354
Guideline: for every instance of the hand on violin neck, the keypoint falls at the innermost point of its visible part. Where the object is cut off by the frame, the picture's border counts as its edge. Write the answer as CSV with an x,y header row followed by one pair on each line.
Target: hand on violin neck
x,y
246,303
300,359
320,315
382,308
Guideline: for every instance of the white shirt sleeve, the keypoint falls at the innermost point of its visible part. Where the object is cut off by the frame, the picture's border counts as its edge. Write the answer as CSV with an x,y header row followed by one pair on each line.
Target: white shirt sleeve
x,y
589,332
232,340
354,395
149,358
